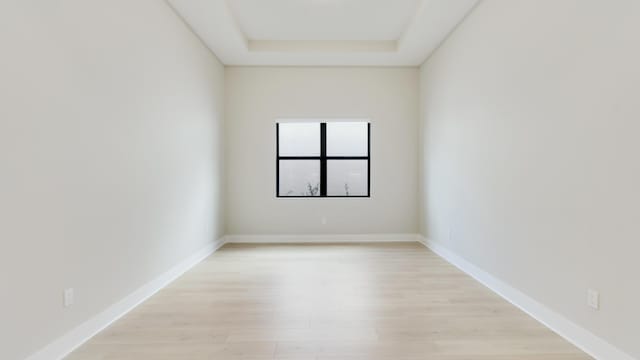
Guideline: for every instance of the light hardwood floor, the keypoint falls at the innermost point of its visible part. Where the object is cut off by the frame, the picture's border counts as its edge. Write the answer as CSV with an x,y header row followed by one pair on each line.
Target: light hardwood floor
x,y
326,302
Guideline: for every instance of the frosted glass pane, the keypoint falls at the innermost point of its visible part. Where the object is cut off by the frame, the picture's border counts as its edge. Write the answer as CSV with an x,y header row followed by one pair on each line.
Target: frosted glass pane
x,y
347,178
299,178
299,139
347,139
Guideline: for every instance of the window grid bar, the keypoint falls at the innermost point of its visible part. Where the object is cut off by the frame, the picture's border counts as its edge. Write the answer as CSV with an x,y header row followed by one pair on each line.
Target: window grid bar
x,y
323,157
323,160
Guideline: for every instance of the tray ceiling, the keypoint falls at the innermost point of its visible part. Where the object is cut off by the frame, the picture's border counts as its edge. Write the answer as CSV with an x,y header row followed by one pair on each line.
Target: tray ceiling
x,y
323,32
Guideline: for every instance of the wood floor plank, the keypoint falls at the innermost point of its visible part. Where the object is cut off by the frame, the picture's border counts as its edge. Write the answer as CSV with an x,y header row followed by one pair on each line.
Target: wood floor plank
x,y
395,301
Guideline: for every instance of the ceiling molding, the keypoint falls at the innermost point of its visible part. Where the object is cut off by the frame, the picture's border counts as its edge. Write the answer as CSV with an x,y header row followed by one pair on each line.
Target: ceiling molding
x,y
323,46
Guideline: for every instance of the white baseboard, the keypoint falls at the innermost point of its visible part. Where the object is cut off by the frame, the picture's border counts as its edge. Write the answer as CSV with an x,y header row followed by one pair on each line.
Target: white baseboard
x,y
578,336
325,238
64,345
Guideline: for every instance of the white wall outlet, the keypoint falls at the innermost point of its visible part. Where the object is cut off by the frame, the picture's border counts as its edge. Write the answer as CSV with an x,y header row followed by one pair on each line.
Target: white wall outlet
x,y
323,220
593,299
68,297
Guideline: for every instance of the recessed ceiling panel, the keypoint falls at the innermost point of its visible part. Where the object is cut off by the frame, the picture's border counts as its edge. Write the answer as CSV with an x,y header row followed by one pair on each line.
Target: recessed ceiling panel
x,y
323,19
322,32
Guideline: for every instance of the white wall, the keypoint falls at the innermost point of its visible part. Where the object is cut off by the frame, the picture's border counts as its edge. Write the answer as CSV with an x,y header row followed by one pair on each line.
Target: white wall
x,y
110,153
257,96
530,124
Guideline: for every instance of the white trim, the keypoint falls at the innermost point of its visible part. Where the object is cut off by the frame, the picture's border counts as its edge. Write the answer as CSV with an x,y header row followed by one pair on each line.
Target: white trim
x,y
326,238
578,336
64,345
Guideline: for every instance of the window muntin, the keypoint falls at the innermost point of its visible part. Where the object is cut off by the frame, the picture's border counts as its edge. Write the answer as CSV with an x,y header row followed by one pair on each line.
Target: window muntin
x,y
341,167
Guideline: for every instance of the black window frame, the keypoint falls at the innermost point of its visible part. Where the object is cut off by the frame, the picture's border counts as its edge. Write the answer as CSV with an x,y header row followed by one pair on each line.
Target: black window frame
x,y
323,158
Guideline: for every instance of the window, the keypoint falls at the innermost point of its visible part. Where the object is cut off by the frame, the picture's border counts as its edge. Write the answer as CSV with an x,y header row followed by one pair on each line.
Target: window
x,y
323,159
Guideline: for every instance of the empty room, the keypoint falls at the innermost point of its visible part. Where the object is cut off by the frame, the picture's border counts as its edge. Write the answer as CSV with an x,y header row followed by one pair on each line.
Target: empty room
x,y
319,179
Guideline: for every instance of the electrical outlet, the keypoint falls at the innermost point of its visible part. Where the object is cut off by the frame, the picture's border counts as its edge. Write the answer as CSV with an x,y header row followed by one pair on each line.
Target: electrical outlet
x,y
593,299
323,220
68,297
